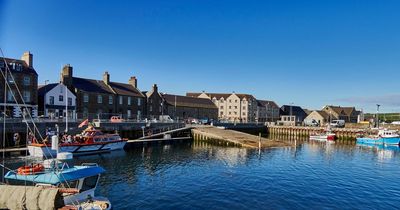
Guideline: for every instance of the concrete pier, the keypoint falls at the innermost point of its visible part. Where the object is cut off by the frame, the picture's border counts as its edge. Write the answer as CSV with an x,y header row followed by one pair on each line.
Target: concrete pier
x,y
300,131
234,138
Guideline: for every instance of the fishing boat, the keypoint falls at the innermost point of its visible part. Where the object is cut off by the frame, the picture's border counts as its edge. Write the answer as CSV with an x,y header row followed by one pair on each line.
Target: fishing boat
x,y
75,185
90,141
326,136
384,137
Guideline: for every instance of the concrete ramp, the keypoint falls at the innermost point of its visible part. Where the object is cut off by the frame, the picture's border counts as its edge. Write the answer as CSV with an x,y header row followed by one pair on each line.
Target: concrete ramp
x,y
235,137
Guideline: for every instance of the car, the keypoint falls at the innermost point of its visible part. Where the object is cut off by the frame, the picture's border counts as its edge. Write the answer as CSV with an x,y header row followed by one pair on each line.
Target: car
x,y
116,119
338,123
396,123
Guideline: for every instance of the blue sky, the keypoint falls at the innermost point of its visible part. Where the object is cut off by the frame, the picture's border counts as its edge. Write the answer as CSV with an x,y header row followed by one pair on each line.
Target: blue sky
x,y
310,53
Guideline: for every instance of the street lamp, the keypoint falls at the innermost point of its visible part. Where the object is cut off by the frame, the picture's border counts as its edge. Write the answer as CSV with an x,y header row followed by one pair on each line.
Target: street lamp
x,y
291,105
44,98
377,114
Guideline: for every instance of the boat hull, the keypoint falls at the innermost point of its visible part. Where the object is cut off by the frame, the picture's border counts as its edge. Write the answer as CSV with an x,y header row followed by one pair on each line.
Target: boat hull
x,y
323,138
379,141
40,150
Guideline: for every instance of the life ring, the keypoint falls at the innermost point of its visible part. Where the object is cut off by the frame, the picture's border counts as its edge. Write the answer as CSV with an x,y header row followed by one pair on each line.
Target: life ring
x,y
27,170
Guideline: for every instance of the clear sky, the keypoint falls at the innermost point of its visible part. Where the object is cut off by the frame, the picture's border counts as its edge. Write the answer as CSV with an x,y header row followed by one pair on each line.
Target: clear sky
x,y
310,53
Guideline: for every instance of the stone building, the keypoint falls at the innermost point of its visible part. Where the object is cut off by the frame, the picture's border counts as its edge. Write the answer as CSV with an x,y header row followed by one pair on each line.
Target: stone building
x,y
103,98
23,77
267,111
319,116
232,107
154,103
184,107
54,101
348,114
292,115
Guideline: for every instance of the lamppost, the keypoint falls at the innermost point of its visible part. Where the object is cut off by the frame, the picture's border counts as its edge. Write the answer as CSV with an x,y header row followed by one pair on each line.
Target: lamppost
x,y
291,105
377,114
44,98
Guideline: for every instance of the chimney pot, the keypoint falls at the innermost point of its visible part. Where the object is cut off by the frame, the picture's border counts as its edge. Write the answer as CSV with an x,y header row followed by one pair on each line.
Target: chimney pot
x,y
106,77
28,58
133,81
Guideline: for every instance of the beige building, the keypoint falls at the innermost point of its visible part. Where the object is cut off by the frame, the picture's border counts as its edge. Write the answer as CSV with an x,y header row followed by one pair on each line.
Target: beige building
x,y
232,107
267,111
321,117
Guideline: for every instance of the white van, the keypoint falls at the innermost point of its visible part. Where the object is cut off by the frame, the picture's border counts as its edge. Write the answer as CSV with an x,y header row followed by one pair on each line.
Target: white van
x,y
337,123
311,122
166,119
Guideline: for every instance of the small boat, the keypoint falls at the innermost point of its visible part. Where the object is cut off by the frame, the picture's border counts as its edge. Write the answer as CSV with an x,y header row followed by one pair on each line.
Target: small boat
x,y
327,136
75,185
90,141
384,137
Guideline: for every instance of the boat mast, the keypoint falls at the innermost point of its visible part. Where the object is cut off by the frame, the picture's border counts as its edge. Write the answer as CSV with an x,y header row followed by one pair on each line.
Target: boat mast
x,y
4,119
66,110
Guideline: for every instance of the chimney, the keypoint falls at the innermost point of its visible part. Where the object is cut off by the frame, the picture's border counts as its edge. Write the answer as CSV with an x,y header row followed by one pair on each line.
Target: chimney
x,y
106,77
28,58
155,88
66,75
133,81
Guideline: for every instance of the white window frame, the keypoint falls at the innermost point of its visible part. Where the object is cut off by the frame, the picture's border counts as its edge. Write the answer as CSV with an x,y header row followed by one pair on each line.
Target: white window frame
x,y
129,100
85,98
110,100
99,99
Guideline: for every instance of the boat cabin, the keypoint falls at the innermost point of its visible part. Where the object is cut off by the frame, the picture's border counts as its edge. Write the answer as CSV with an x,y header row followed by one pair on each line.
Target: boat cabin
x,y
76,183
388,133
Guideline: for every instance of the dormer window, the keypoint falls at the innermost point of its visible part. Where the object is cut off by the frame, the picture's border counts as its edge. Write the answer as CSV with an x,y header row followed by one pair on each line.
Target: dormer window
x,y
19,67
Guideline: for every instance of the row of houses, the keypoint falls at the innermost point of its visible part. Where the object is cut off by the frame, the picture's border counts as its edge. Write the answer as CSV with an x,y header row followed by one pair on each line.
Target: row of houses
x,y
81,98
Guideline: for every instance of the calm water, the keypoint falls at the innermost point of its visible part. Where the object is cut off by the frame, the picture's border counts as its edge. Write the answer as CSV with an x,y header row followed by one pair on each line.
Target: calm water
x,y
198,176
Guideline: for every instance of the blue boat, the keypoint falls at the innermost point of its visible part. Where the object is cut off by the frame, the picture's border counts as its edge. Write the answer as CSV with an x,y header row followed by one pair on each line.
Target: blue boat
x,y
77,184
384,137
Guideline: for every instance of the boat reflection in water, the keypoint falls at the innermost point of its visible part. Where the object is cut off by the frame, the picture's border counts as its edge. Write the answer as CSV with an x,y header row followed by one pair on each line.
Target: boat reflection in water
x,y
384,152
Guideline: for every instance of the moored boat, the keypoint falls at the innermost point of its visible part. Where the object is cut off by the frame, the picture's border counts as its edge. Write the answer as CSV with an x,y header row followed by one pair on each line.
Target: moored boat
x,y
384,137
326,136
90,141
76,185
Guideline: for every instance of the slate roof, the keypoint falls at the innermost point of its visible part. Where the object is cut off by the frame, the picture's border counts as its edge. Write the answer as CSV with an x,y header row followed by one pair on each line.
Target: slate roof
x,y
267,103
25,67
188,101
91,85
342,110
125,89
296,110
220,95
43,89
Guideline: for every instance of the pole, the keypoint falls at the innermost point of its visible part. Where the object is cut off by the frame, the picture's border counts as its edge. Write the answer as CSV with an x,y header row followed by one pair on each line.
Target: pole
x,y
66,109
377,114
4,119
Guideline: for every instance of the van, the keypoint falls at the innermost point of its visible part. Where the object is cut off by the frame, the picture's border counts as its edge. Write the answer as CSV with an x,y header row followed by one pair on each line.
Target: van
x,y
337,123
166,119
311,122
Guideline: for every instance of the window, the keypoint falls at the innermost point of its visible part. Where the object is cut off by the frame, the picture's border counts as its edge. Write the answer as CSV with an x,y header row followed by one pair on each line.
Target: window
x,y
235,107
1,64
138,114
10,79
235,113
151,108
244,108
151,100
27,96
230,107
244,113
51,100
139,101
222,100
110,100
230,112
160,109
230,100
129,100
89,183
85,112
69,101
221,107
235,100
27,80
128,112
85,98
221,113
19,67
60,98
121,100
99,99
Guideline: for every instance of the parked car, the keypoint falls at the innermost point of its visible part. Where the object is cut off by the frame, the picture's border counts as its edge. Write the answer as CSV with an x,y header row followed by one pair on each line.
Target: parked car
x,y
338,123
396,123
166,118
311,122
116,119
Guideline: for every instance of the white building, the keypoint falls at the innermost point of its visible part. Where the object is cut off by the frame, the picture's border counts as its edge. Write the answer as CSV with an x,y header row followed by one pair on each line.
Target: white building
x,y
54,101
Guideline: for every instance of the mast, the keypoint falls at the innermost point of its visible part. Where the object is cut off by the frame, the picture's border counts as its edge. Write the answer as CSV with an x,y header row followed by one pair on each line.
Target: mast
x,y
4,119
66,109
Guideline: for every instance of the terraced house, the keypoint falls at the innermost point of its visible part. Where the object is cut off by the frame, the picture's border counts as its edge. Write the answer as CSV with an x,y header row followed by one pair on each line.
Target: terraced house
x,y
103,98
348,114
21,75
232,107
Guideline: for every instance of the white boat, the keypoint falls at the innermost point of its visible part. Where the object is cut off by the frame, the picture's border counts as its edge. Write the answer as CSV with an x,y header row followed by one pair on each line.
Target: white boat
x,y
91,141
327,136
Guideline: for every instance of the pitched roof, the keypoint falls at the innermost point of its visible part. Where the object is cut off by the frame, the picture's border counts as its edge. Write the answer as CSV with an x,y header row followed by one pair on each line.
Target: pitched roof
x,y
294,110
125,89
91,85
43,89
267,103
188,101
323,114
342,110
220,95
25,67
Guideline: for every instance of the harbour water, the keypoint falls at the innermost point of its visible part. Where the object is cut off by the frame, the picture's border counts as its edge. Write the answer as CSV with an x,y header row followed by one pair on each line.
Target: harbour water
x,y
194,175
